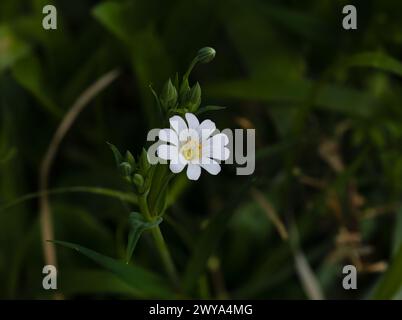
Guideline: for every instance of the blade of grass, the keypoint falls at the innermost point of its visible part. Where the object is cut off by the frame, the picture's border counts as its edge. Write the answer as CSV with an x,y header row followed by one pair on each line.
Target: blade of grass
x,y
45,212
309,281
270,212
127,197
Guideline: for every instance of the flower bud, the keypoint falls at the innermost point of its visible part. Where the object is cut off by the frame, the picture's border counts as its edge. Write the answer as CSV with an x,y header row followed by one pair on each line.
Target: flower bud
x,y
206,55
125,169
144,163
193,98
130,159
138,180
168,96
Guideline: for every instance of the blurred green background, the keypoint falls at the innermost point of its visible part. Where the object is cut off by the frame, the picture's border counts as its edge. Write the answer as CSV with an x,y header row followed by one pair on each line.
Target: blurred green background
x,y
326,104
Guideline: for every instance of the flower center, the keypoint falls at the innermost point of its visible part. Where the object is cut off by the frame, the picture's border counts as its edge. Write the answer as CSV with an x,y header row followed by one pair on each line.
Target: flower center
x,y
191,150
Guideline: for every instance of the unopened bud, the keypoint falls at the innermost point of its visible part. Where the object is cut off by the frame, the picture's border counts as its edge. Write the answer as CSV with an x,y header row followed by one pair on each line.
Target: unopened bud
x,y
206,55
138,180
125,169
193,98
168,97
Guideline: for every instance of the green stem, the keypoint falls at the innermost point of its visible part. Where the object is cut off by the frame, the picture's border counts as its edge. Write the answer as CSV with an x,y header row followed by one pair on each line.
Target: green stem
x,y
160,242
165,255
190,68
158,200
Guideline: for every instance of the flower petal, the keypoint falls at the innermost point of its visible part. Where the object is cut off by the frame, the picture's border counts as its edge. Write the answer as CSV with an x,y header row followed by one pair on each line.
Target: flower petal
x,y
189,134
206,128
168,152
211,166
177,124
192,121
176,167
216,152
193,171
220,138
169,135
215,148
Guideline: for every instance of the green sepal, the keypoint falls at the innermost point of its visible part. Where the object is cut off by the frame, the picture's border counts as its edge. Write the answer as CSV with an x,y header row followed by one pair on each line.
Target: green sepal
x,y
130,159
144,163
138,181
184,89
176,80
168,98
192,99
125,169
158,102
205,55
116,153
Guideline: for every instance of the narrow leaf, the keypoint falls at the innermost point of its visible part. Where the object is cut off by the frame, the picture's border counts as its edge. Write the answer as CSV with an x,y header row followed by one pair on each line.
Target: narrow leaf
x,y
149,284
123,196
209,108
137,226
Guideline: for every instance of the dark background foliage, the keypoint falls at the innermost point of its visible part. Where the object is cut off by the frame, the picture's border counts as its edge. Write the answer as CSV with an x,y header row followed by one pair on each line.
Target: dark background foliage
x,y
326,106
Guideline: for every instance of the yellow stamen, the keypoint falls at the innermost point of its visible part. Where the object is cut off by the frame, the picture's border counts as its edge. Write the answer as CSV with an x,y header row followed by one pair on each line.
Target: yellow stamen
x,y
191,150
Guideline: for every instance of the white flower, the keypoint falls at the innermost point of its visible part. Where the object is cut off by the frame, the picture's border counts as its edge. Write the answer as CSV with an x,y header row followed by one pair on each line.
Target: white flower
x,y
191,144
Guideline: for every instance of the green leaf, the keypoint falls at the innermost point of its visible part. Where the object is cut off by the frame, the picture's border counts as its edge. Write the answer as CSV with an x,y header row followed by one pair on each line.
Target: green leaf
x,y
145,282
330,97
209,108
11,48
112,15
390,283
28,72
378,60
137,226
